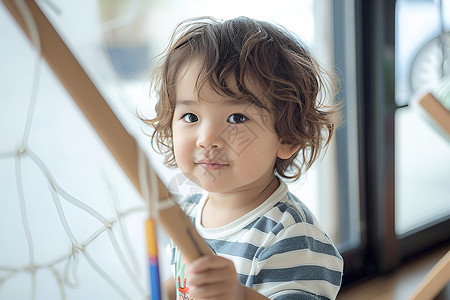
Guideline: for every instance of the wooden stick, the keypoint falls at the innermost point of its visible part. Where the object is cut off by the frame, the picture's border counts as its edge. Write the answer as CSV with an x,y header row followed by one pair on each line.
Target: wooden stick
x,y
434,281
120,143
438,111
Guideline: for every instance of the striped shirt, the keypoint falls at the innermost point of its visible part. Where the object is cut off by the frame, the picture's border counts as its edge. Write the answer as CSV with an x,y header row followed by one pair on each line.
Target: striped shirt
x,y
278,249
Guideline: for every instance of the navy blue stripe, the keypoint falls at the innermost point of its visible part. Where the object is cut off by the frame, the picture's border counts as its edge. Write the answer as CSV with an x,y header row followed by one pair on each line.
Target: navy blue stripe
x,y
298,273
300,295
251,225
244,250
287,208
193,199
308,214
298,243
243,279
265,225
260,250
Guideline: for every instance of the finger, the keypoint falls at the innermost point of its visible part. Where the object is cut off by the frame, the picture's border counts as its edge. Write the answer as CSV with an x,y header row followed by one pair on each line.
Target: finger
x,y
208,262
211,276
213,291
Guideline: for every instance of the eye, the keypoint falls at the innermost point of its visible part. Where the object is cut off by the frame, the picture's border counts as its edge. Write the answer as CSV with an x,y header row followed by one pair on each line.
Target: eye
x,y
190,118
237,118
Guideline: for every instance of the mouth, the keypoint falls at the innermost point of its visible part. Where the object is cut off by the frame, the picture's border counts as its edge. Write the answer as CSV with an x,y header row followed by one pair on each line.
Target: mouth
x,y
211,164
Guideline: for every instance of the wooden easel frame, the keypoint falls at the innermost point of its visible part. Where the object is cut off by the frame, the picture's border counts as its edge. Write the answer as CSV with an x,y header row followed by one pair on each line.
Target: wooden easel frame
x,y
120,143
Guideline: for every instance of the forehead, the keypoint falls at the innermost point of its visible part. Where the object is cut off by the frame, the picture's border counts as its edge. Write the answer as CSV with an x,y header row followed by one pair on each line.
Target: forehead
x,y
187,80
194,82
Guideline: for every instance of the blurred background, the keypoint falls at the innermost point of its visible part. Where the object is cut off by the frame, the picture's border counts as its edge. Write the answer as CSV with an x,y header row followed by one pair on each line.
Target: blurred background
x,y
382,191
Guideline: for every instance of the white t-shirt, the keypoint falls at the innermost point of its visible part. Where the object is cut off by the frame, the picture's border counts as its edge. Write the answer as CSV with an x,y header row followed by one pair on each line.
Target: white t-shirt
x,y
278,249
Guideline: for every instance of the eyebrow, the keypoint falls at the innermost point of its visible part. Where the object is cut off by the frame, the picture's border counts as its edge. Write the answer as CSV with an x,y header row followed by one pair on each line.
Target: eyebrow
x,y
188,102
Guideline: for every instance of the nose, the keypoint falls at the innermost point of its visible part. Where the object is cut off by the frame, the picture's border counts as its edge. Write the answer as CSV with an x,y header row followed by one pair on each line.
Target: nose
x,y
209,136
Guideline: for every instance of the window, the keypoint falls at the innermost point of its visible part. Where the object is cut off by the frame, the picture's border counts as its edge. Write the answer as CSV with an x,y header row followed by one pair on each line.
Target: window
x,y
422,156
397,220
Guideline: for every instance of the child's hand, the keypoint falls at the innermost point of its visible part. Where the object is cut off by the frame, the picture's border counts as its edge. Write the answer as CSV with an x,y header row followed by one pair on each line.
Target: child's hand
x,y
214,277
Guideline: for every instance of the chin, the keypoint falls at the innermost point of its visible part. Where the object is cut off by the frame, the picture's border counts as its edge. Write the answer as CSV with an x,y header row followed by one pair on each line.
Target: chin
x,y
212,185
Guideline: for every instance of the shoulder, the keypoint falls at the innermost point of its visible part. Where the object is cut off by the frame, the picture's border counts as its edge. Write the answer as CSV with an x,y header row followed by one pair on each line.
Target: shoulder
x,y
285,212
289,209
299,212
298,227
297,255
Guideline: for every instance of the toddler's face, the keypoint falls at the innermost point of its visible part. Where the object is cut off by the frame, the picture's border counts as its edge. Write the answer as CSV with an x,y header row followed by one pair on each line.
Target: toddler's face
x,y
222,144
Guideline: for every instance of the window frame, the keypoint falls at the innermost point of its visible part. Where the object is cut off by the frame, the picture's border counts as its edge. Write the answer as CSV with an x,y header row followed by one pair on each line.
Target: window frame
x,y
380,249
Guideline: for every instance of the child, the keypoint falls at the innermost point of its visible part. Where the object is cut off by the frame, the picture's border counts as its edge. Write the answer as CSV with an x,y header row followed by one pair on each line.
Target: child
x,y
237,104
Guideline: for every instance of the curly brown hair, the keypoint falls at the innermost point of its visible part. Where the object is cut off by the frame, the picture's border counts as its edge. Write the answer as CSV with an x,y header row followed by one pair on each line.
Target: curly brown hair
x,y
293,84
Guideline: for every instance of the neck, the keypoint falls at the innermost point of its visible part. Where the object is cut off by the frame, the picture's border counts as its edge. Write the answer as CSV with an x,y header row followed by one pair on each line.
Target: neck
x,y
222,209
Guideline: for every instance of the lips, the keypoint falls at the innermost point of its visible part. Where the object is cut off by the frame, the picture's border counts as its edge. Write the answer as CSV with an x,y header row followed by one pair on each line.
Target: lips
x,y
209,164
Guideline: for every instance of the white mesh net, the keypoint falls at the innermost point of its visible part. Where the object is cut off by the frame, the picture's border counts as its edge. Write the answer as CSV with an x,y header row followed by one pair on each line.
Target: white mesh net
x,y
72,225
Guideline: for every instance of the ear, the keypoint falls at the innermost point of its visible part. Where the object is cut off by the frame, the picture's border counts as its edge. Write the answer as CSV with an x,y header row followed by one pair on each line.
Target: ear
x,y
285,151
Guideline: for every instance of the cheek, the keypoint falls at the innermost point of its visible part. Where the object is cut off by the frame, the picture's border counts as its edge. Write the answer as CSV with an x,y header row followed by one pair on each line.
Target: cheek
x,y
261,153
239,139
177,145
182,147
177,136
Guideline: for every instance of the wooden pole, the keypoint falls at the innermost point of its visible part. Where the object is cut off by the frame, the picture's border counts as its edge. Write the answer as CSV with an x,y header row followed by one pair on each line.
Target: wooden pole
x,y
120,143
